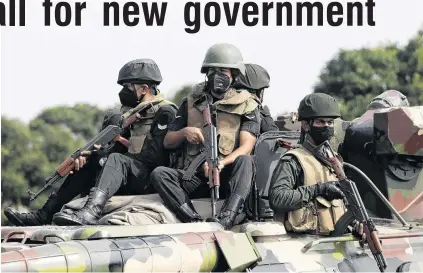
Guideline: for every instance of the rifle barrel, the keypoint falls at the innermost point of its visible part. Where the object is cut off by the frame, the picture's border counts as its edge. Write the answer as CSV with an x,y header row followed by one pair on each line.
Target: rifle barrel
x,y
213,204
53,179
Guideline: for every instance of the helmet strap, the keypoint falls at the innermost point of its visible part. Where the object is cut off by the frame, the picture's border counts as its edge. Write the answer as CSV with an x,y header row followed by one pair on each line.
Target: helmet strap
x,y
303,132
260,94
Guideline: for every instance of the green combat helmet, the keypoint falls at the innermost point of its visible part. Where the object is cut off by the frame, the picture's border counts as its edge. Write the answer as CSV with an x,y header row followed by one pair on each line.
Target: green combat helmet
x,y
318,105
390,98
140,71
223,55
256,79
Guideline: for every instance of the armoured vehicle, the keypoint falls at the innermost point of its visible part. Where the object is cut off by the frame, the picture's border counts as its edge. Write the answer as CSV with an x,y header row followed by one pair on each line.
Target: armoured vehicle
x,y
385,145
288,122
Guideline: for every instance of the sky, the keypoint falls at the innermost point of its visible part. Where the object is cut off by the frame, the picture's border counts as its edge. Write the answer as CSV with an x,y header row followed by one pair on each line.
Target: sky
x,y
46,66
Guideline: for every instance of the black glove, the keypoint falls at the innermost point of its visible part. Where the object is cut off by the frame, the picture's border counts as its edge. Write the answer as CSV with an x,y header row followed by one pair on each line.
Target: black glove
x,y
329,191
99,156
99,153
266,111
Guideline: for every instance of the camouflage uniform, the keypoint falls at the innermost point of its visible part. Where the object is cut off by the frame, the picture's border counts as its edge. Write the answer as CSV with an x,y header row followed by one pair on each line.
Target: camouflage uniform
x,y
236,111
129,173
73,185
255,81
302,184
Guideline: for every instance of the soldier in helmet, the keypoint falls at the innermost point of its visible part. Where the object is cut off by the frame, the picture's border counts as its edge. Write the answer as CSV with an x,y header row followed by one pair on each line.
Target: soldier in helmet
x,y
82,178
257,79
238,127
302,183
129,173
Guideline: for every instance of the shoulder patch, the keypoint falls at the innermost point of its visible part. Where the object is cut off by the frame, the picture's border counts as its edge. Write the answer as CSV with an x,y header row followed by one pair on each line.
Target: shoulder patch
x,y
161,127
250,116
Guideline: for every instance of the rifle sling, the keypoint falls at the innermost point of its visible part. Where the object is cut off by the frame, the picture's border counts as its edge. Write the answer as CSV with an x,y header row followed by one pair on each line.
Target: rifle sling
x,y
140,109
306,145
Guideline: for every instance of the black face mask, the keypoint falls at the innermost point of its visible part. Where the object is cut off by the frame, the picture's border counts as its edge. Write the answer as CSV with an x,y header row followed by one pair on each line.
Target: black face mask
x,y
128,98
321,134
218,82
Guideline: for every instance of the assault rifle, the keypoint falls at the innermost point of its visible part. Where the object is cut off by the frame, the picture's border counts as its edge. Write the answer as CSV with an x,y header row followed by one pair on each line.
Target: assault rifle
x,y
356,211
106,138
208,154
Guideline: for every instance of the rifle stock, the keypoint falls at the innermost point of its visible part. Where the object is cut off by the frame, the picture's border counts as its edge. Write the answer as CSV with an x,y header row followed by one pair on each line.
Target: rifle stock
x,y
356,211
106,139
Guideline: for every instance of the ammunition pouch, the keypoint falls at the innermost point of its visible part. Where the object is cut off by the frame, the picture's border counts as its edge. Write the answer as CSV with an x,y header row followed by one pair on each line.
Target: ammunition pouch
x,y
316,217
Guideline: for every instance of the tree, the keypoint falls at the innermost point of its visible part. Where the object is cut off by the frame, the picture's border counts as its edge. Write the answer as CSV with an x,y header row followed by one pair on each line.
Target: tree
x,y
84,120
16,142
354,77
23,163
30,153
410,75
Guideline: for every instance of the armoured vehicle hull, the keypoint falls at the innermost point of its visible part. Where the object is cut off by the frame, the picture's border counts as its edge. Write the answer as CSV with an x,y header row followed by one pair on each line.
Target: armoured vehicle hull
x,y
265,247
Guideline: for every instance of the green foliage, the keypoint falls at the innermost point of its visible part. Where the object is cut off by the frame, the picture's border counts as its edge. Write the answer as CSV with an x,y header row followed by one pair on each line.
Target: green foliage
x,y
16,142
30,153
81,119
354,77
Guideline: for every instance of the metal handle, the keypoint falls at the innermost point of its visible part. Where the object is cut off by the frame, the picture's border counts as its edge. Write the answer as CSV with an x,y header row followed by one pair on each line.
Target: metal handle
x,y
52,236
14,233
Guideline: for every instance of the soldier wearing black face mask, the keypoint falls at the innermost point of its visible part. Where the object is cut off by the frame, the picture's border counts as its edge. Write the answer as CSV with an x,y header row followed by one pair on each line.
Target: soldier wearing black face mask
x,y
128,174
132,76
301,182
238,127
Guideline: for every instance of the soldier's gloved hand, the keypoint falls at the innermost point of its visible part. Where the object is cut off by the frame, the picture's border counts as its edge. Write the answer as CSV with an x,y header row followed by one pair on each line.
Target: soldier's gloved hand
x,y
358,231
99,155
329,191
266,111
98,151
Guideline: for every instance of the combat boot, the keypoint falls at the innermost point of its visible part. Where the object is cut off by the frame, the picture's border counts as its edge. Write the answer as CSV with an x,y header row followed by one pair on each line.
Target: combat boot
x,y
89,214
187,214
41,217
228,212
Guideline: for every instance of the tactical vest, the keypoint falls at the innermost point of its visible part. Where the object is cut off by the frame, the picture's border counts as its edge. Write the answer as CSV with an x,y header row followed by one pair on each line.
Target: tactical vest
x,y
319,216
140,129
229,112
